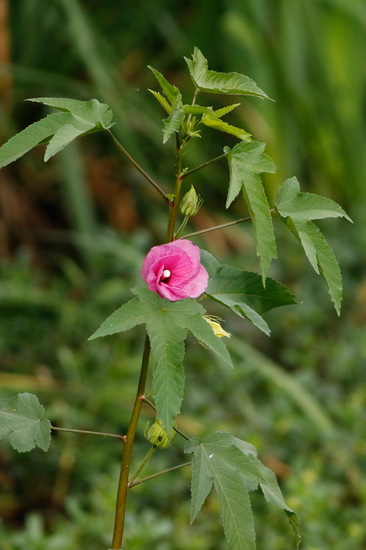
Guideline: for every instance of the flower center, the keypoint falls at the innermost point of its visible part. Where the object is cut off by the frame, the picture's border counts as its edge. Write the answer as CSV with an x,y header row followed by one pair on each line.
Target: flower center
x,y
165,275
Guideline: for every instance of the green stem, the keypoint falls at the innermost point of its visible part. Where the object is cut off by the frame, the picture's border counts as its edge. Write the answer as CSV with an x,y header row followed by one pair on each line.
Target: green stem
x,y
181,227
142,465
147,478
178,184
140,169
127,451
189,172
222,226
122,437
193,103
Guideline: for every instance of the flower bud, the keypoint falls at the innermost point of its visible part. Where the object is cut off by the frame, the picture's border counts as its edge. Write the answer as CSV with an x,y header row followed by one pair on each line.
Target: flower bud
x,y
158,436
216,327
191,203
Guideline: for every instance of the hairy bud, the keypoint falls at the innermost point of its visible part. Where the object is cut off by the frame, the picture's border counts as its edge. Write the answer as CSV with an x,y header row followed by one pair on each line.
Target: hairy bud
x,y
158,436
191,203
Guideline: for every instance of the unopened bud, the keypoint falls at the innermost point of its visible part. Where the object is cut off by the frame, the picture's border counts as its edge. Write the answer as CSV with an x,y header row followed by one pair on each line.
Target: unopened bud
x,y
216,327
158,436
191,203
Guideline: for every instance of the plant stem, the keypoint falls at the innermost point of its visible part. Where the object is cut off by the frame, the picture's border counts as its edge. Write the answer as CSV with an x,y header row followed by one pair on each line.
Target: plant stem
x,y
122,437
193,103
222,226
216,159
126,459
142,465
182,227
178,183
147,478
140,169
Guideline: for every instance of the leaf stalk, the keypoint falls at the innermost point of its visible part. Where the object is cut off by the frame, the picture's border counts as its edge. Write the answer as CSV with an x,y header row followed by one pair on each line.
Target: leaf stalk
x,y
222,226
89,432
140,169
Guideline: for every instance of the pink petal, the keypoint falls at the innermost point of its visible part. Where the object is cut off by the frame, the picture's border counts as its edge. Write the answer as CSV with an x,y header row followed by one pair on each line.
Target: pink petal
x,y
182,258
197,285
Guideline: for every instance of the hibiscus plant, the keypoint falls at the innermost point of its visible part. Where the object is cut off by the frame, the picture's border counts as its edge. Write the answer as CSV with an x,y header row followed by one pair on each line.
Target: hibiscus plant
x,y
177,278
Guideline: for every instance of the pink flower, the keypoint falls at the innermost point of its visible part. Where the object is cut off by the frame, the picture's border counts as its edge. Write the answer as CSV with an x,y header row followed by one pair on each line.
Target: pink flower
x,y
173,270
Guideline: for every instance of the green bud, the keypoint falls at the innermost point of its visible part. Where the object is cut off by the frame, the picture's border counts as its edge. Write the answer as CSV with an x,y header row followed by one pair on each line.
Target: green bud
x,y
191,203
158,436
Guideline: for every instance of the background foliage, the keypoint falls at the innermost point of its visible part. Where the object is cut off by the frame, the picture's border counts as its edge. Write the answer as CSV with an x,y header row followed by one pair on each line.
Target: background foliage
x,y
74,231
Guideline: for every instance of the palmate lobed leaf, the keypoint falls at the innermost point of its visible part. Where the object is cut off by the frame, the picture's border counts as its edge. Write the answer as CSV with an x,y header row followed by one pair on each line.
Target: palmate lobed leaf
x,y
76,118
163,102
92,111
167,347
167,324
290,201
222,126
247,162
322,258
171,92
220,83
231,465
173,122
245,286
243,291
172,104
35,134
22,421
296,210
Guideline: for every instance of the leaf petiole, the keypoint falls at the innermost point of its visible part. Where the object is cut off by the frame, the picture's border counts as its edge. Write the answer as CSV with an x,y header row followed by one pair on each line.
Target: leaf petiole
x,y
222,226
167,470
142,465
189,172
140,169
90,432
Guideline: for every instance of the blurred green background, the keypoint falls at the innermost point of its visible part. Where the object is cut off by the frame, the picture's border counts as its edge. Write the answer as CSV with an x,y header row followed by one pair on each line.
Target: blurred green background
x,y
74,231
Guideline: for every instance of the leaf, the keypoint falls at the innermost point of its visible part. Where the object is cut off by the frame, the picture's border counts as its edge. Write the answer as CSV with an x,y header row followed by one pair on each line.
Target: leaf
x,y
76,119
22,421
220,83
173,122
305,206
246,162
211,462
176,110
196,109
163,102
209,262
166,324
204,334
202,477
225,110
30,137
167,347
212,119
65,135
273,495
133,313
314,242
99,114
296,209
244,293
233,467
171,91
236,512
218,124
